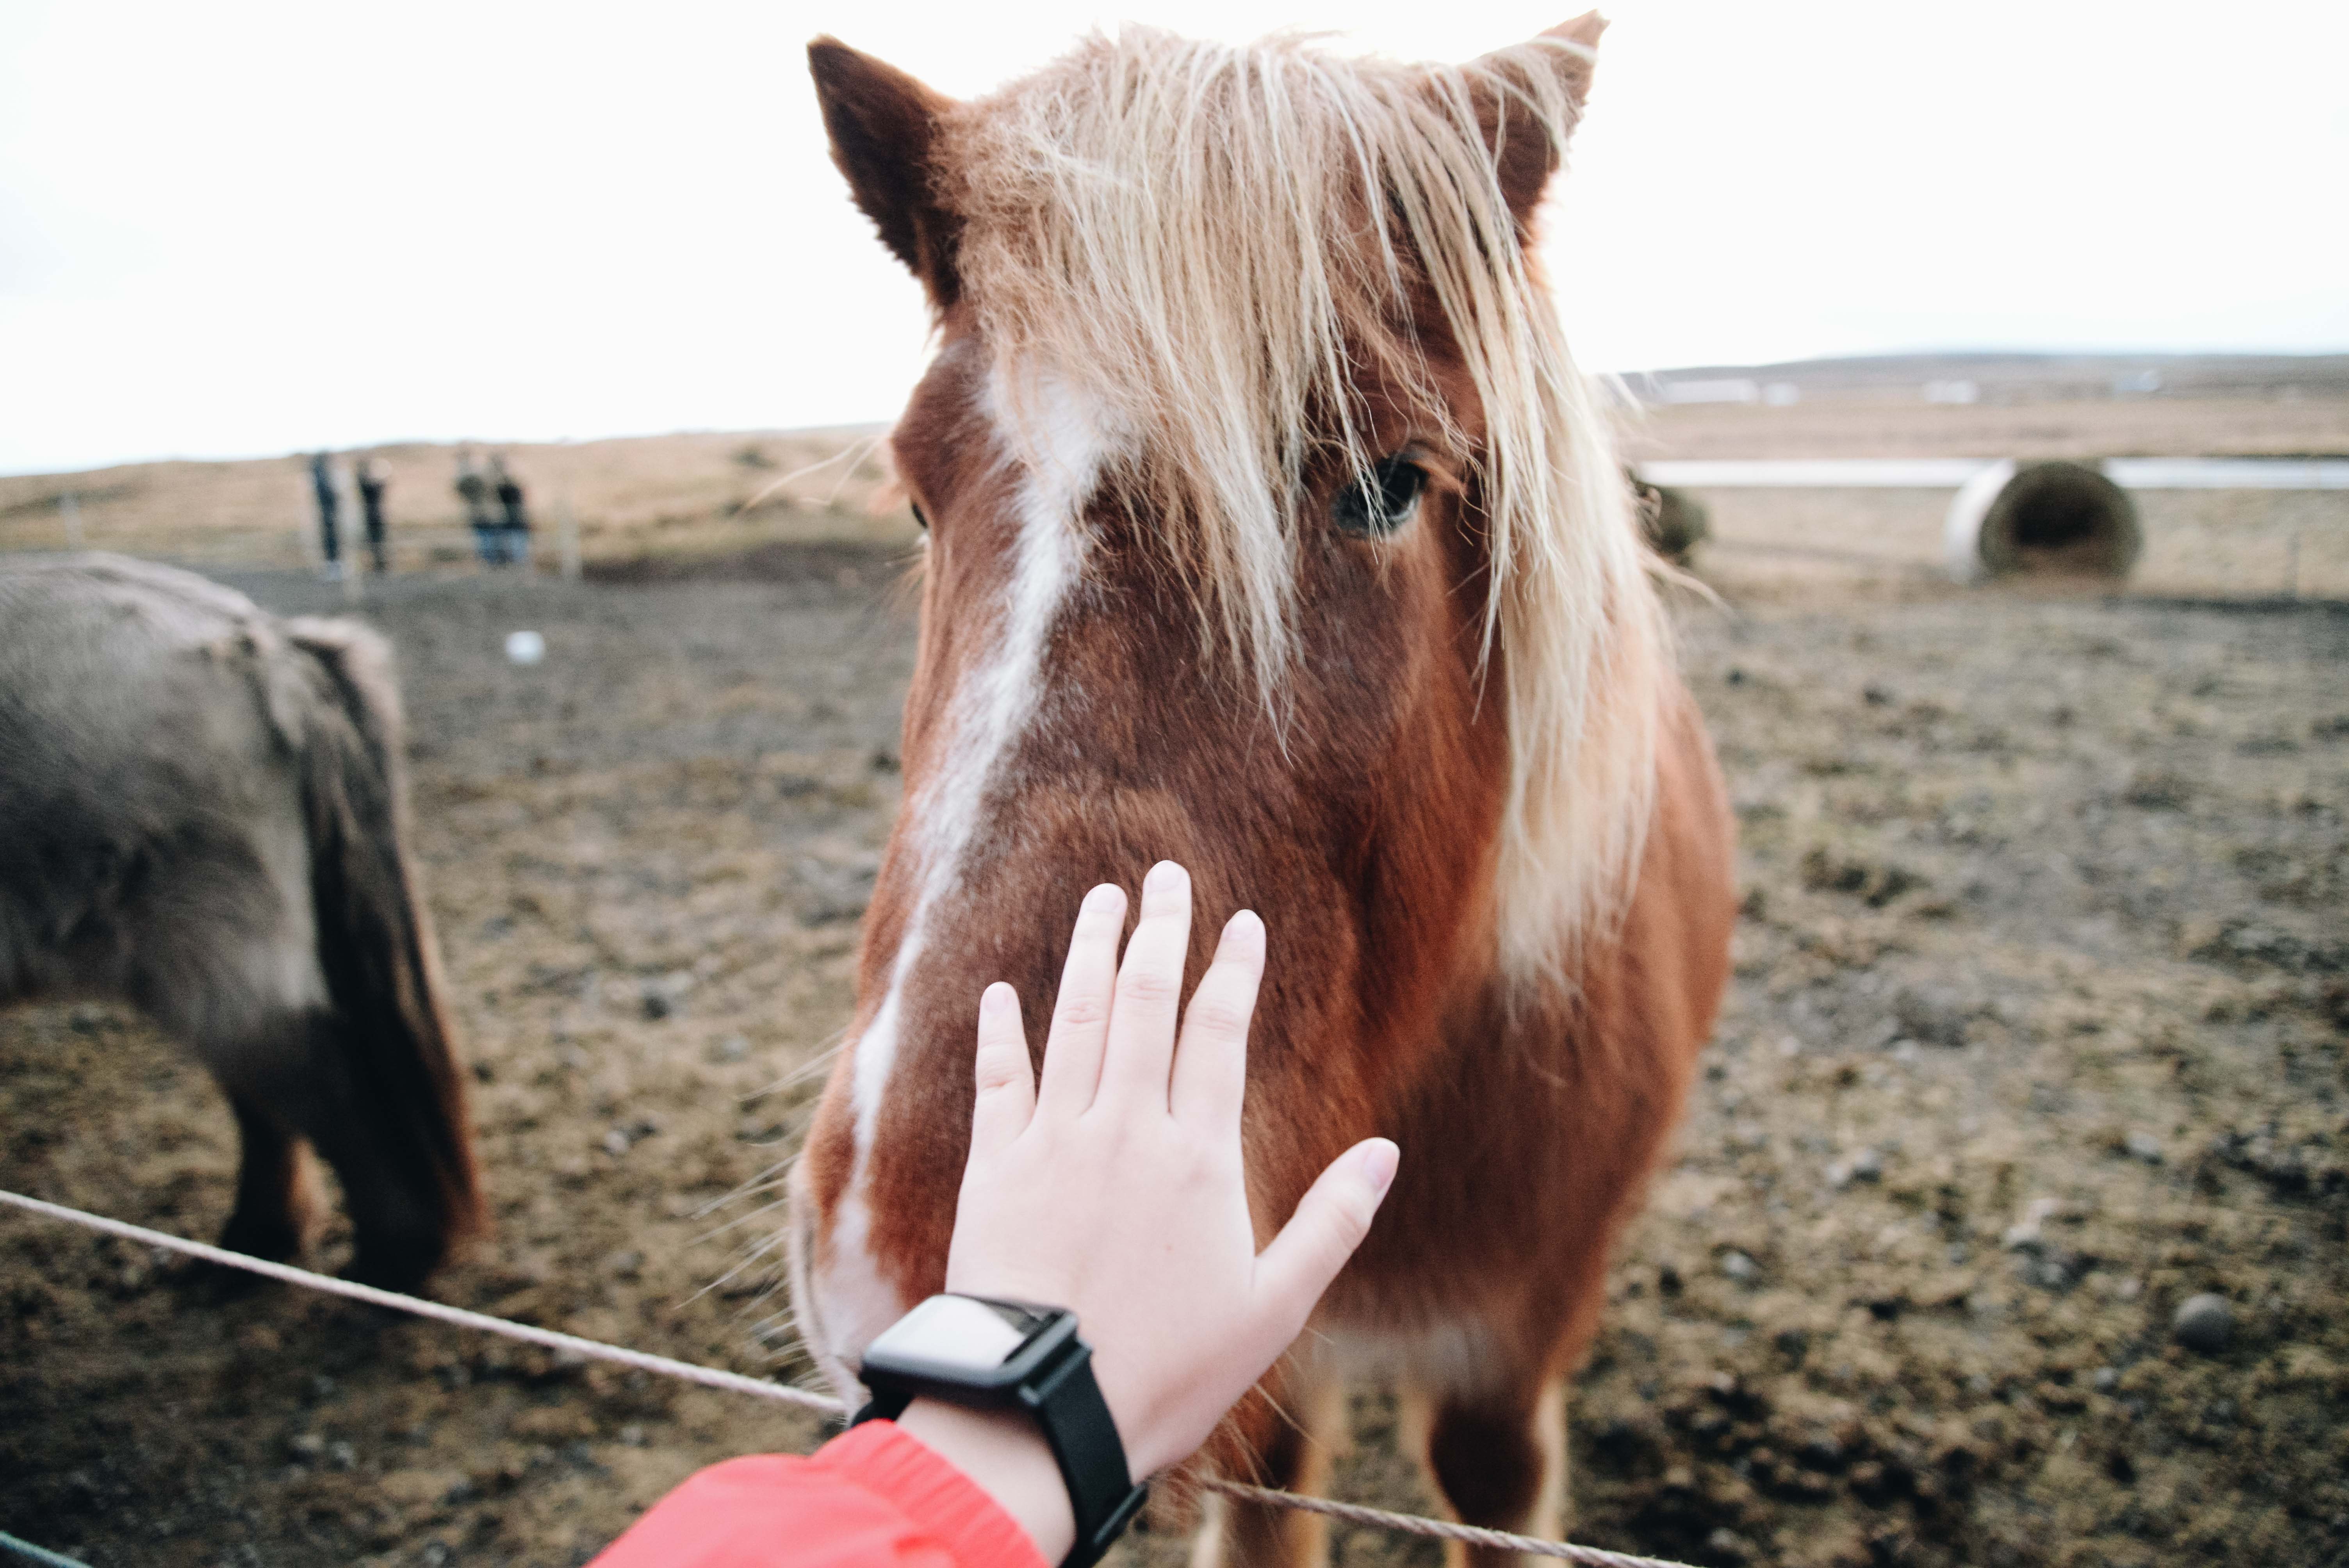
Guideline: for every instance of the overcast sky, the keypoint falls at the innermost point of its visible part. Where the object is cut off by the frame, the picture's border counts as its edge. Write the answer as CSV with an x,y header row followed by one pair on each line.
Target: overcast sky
x,y
231,229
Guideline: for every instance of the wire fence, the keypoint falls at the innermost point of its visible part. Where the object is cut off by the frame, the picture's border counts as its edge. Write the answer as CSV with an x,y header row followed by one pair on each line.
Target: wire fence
x,y
573,1345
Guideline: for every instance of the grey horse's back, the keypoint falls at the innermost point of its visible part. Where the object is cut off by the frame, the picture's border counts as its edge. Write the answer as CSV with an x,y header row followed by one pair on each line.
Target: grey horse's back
x,y
146,716
202,810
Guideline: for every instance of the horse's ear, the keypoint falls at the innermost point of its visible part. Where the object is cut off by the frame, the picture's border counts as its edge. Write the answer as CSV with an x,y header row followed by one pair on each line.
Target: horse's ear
x,y
884,135
1525,152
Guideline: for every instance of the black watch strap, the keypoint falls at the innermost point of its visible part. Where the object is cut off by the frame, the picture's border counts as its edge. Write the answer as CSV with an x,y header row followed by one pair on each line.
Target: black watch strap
x,y
1078,1428
1083,1438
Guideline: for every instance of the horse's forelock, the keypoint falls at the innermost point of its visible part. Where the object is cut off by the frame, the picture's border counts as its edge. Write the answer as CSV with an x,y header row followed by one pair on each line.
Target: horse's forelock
x,y
1179,237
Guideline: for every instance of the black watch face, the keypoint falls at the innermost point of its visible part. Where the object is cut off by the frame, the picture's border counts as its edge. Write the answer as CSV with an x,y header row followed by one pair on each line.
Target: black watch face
x,y
956,1334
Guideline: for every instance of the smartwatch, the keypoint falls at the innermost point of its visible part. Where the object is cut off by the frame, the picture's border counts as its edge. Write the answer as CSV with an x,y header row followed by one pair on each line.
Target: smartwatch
x,y
1010,1356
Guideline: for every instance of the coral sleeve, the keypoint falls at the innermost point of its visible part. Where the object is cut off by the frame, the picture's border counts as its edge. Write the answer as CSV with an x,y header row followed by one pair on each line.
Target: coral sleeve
x,y
872,1498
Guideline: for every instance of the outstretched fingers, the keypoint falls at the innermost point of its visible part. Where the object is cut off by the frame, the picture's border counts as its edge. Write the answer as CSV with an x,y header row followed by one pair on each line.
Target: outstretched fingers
x,y
1073,1051
1149,992
1006,1100
1211,1065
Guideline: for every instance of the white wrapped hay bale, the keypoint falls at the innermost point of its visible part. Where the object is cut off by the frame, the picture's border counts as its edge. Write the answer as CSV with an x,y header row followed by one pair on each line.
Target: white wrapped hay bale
x,y
2053,519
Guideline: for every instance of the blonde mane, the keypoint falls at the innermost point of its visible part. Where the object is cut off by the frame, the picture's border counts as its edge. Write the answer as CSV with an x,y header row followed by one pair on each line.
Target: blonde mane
x,y
1204,242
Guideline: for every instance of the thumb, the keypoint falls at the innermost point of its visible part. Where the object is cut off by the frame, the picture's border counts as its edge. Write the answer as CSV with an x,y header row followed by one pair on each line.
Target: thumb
x,y
1330,1222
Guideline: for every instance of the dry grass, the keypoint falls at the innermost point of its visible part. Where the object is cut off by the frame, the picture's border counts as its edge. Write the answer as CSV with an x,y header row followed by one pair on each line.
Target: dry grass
x,y
1858,426
706,493
693,495
2227,544
2198,544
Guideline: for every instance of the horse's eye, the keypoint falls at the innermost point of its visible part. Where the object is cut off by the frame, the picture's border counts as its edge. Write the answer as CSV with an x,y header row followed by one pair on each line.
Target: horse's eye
x,y
1380,502
919,516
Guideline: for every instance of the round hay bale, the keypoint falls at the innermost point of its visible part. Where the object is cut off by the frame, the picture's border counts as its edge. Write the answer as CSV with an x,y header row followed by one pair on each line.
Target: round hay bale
x,y
2048,519
1673,522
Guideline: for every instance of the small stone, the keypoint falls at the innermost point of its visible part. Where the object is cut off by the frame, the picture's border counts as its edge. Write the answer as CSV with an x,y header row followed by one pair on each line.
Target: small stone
x,y
2105,1379
1867,1166
633,1435
306,1446
1739,1268
626,1264
2204,1323
2143,1146
1931,1015
342,1456
732,1048
616,1141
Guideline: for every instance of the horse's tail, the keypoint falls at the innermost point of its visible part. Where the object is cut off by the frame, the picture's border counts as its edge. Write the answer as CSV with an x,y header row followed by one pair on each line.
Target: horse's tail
x,y
374,941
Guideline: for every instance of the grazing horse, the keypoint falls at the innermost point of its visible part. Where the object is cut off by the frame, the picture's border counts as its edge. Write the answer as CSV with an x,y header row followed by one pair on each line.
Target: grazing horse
x,y
202,811
1272,529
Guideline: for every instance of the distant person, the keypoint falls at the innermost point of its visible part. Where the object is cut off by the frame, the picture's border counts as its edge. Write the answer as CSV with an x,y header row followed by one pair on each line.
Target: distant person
x,y
516,528
474,490
373,480
322,481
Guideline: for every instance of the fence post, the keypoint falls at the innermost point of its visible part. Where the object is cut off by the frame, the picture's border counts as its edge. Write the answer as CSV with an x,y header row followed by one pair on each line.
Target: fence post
x,y
567,533
69,513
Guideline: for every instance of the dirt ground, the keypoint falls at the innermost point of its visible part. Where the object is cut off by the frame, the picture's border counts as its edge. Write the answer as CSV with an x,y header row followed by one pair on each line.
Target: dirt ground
x,y
2037,1030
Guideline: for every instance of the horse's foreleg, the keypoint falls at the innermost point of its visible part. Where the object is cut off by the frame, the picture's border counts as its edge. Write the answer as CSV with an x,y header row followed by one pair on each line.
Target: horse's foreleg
x,y
276,1194
1498,1457
1292,1453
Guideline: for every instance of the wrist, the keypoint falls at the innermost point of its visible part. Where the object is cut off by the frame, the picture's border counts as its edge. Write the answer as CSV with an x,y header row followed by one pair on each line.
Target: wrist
x,y
1005,1455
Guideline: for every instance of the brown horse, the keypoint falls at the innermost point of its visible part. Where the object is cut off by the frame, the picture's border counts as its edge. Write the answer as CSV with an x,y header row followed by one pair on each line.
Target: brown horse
x,y
201,813
1272,531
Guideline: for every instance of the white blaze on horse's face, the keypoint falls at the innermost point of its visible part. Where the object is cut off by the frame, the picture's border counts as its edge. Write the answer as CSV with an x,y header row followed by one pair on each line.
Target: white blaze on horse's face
x,y
1065,450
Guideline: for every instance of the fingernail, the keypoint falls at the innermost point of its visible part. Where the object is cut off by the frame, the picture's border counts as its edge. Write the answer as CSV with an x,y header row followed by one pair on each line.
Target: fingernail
x,y
1163,876
997,998
1377,1163
1244,930
1099,897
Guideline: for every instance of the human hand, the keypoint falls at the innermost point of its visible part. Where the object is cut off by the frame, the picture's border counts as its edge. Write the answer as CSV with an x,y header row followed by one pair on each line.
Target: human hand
x,y
1115,1188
